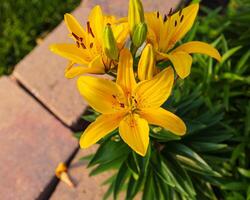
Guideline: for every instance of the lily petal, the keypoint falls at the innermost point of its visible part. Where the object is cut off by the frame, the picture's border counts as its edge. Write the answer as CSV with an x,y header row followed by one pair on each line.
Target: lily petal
x,y
103,95
96,20
146,65
120,33
182,62
153,93
125,73
71,52
199,47
135,132
165,119
97,64
74,26
181,22
79,70
103,125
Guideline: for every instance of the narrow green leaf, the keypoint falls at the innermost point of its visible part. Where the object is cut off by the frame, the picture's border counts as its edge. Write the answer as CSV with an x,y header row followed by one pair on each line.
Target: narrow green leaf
x,y
120,179
114,164
244,172
148,192
108,151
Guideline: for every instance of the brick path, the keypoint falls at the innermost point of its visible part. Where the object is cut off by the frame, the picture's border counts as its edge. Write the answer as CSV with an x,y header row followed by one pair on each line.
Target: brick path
x,y
39,108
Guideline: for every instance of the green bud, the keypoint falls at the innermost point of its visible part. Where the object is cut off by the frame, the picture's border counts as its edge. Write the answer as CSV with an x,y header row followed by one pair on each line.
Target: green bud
x,y
109,43
135,14
140,34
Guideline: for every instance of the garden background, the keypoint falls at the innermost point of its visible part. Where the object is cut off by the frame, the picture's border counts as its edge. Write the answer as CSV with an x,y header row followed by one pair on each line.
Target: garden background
x,y
219,92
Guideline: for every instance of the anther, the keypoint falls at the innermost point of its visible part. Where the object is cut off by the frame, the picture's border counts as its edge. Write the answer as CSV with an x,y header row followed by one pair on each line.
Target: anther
x,y
89,29
165,18
180,12
158,14
83,46
175,23
170,12
122,105
75,36
78,44
182,17
91,45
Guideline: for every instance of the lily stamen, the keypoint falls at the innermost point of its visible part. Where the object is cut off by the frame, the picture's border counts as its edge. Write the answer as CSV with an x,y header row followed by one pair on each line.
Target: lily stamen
x,y
182,17
90,30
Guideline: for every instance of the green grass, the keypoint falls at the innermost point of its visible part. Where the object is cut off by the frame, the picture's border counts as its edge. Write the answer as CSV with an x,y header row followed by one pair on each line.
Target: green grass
x,y
22,22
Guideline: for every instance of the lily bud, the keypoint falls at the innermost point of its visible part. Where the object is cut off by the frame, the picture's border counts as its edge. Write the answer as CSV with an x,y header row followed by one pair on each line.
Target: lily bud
x,y
146,65
140,34
135,14
109,43
61,173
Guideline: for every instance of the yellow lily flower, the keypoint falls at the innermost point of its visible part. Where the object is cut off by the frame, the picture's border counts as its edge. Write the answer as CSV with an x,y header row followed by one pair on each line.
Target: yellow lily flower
x,y
164,32
129,105
88,52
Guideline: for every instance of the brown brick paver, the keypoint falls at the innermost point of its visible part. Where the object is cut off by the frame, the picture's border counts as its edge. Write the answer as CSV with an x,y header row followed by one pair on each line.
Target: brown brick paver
x,y
86,187
32,143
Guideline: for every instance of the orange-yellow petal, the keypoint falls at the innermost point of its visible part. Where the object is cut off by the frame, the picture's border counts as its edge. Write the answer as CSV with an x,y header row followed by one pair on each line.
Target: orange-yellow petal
x,y
199,47
182,62
180,23
103,95
135,132
97,64
71,52
74,26
153,93
103,125
125,73
79,70
165,119
146,65
120,33
96,21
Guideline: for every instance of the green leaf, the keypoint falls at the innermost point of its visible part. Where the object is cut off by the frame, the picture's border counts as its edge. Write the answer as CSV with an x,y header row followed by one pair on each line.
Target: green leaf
x,y
148,192
133,165
235,186
108,192
120,179
244,172
191,159
163,135
114,164
134,187
180,175
207,147
109,151
248,193
242,64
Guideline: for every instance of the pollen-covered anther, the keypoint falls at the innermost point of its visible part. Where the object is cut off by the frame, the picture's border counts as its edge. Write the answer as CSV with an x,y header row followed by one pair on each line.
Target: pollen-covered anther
x,y
182,17
75,36
122,105
180,12
170,12
83,46
175,23
90,30
165,18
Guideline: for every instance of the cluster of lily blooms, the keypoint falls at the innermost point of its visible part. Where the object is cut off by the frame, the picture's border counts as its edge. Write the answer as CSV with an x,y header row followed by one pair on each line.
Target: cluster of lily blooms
x,y
130,50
